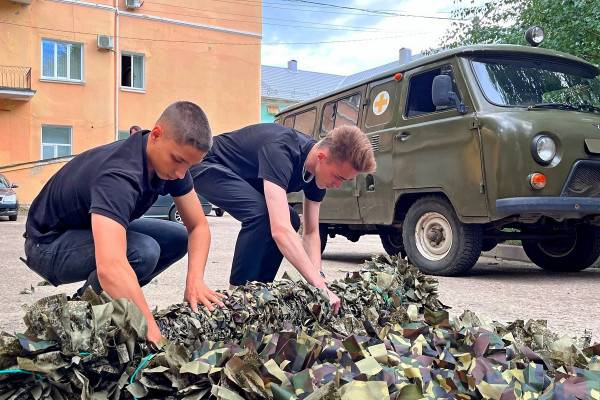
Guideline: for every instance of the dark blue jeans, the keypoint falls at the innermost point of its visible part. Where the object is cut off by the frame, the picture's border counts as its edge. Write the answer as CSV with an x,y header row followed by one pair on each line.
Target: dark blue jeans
x,y
152,246
256,257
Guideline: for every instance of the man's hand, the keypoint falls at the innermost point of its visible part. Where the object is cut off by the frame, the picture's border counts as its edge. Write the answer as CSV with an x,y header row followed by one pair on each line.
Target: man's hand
x,y
153,335
333,300
198,293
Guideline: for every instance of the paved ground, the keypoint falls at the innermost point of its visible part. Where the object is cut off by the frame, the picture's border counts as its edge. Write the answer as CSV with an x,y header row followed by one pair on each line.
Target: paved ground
x,y
501,290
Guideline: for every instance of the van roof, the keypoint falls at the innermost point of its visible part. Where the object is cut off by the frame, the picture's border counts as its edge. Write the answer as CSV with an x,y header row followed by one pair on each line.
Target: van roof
x,y
459,51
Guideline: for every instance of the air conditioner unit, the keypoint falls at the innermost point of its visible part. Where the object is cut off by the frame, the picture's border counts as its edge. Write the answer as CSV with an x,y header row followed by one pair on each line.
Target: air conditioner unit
x,y
131,4
105,42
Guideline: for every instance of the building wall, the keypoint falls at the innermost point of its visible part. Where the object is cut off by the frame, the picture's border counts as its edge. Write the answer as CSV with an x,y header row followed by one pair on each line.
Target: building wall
x,y
181,62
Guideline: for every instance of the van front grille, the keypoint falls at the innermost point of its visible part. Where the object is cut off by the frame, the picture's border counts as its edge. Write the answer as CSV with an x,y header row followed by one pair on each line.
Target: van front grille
x,y
584,180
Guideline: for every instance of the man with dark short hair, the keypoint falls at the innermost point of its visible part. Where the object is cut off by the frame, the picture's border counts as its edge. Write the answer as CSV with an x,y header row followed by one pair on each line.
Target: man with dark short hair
x,y
248,173
84,225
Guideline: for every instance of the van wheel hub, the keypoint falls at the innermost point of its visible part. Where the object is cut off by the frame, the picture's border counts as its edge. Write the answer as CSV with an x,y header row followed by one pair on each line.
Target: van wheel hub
x,y
433,236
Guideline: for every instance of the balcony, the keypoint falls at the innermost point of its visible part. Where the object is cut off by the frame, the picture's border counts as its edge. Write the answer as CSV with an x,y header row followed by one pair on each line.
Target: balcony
x,y
15,83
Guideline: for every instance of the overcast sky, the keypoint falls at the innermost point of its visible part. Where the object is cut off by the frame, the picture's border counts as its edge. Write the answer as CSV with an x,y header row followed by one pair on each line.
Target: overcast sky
x,y
303,21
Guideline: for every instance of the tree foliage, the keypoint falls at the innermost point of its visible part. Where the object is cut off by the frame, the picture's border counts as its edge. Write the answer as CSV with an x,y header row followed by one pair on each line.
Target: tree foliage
x,y
571,26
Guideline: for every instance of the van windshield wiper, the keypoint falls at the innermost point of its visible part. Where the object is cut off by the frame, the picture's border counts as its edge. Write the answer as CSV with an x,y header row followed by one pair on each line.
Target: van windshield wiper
x,y
588,107
557,106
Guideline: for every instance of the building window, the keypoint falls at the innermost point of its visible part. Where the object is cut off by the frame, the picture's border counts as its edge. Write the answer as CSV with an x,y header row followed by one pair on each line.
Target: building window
x,y
132,71
123,135
56,141
62,60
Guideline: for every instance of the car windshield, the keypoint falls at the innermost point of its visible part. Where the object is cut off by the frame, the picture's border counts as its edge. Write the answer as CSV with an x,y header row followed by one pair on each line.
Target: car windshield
x,y
3,183
538,82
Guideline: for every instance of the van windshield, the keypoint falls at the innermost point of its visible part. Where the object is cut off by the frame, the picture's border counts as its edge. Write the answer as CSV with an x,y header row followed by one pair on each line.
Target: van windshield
x,y
538,82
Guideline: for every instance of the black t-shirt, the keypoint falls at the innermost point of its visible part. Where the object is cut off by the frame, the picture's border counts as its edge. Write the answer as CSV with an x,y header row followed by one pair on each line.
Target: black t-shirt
x,y
266,151
110,180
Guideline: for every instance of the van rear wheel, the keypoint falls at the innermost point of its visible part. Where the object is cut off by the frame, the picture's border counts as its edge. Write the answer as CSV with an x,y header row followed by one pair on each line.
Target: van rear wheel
x,y
392,243
436,241
576,253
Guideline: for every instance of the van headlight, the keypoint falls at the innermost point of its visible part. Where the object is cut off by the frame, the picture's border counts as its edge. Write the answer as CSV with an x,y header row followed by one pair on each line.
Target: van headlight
x,y
10,199
543,148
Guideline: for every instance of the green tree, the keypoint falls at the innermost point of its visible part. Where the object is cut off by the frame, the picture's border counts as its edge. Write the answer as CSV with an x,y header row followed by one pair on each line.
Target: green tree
x,y
571,26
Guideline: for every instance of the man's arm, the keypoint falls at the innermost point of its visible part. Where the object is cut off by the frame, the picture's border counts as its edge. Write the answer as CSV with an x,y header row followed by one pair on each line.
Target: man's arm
x,y
116,276
286,238
289,242
311,240
194,219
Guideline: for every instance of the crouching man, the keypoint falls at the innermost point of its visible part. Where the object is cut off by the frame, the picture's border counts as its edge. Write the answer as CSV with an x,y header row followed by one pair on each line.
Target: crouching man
x,y
84,225
248,173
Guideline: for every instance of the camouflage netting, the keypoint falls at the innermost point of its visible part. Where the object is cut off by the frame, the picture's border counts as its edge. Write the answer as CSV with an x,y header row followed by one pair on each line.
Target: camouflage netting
x,y
392,339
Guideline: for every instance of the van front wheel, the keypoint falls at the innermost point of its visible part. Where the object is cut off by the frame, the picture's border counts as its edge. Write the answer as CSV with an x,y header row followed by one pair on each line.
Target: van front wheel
x,y
436,241
576,253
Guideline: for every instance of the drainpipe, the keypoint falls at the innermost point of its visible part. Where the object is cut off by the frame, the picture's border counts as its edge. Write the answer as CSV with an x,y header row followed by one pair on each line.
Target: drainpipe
x,y
117,65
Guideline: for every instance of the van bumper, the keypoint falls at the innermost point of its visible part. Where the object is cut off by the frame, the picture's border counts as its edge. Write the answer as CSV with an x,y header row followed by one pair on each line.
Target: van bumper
x,y
563,207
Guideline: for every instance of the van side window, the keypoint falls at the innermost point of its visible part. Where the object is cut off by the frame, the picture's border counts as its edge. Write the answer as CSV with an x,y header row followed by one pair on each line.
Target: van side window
x,y
340,112
305,121
289,121
419,91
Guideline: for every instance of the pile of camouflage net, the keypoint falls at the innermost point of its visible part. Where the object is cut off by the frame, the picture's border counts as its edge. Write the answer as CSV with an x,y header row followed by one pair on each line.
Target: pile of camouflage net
x,y
392,339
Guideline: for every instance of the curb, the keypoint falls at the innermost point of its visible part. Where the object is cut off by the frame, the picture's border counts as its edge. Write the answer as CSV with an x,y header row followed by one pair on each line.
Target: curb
x,y
507,252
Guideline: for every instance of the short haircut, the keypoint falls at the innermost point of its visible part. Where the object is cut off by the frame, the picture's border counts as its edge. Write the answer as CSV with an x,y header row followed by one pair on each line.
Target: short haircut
x,y
187,124
348,143
134,128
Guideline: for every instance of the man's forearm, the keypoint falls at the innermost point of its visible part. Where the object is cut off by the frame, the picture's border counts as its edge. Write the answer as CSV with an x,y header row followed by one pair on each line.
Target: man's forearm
x,y
198,247
312,245
291,246
120,282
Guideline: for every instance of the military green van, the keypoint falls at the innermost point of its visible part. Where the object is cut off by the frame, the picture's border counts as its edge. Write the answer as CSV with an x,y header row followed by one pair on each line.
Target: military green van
x,y
475,146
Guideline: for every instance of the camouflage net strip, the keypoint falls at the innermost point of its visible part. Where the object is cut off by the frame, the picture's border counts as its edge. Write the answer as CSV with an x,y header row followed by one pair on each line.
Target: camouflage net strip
x,y
392,339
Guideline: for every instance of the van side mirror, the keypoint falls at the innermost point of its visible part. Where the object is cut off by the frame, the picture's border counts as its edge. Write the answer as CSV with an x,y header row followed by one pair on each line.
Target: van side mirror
x,y
443,96
14,186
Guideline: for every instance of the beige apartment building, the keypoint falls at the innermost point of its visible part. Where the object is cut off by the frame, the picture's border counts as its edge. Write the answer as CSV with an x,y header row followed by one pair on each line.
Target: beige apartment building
x,y
77,74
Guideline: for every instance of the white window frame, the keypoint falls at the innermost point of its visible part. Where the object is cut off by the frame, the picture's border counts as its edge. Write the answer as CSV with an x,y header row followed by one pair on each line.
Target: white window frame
x,y
56,77
55,145
133,88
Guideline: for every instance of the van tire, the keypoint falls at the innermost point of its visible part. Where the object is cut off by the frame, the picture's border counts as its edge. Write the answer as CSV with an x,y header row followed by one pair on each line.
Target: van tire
x,y
12,217
459,244
323,235
219,212
392,243
583,253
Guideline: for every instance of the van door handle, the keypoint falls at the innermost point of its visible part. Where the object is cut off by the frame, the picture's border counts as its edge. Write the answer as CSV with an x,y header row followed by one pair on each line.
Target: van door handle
x,y
403,136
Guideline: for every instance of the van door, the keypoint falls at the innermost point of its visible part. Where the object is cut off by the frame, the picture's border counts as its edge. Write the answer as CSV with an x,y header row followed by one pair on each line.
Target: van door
x,y
341,204
376,199
437,149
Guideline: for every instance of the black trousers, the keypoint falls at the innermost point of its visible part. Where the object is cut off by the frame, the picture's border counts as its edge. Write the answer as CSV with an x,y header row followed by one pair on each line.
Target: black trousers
x,y
256,256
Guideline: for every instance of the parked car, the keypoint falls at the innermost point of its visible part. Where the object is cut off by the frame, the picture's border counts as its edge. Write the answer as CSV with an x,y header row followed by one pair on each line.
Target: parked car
x,y
474,146
9,205
164,208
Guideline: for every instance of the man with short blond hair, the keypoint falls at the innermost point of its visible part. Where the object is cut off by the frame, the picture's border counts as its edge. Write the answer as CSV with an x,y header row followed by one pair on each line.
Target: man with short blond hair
x,y
248,173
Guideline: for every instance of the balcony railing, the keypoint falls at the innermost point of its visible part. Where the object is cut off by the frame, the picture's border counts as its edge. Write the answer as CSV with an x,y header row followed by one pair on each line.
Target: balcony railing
x,y
15,82
12,77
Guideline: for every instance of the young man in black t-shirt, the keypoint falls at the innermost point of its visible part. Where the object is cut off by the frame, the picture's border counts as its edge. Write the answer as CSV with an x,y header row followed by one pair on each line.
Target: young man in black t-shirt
x,y
248,173
84,226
